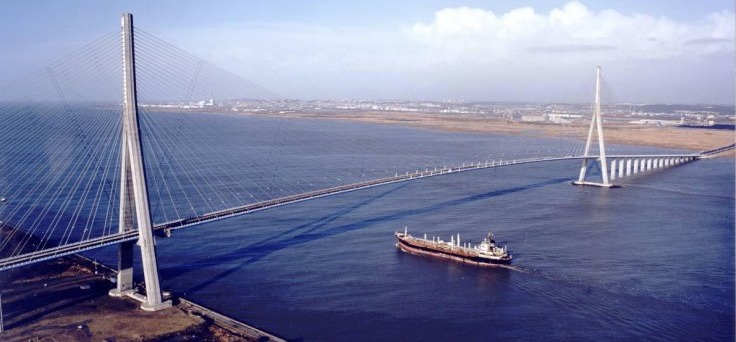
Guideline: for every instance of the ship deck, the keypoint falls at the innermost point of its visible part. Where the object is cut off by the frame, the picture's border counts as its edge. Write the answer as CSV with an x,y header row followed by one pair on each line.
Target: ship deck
x,y
443,250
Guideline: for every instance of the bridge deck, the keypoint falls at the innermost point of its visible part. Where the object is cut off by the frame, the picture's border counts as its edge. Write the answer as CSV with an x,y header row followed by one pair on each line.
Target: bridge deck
x,y
55,252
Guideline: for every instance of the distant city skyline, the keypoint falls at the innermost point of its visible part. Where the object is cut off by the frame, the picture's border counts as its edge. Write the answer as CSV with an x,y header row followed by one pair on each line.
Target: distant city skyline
x,y
536,51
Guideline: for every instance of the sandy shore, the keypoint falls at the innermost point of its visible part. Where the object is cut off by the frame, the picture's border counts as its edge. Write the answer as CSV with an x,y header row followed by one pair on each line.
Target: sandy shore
x,y
695,139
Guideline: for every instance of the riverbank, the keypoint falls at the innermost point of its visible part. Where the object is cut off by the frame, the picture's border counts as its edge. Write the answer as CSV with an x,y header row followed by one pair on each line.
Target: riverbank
x,y
695,139
66,299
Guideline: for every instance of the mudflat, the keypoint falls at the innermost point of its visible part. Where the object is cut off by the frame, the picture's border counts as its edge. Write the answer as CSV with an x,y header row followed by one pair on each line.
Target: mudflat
x,y
695,139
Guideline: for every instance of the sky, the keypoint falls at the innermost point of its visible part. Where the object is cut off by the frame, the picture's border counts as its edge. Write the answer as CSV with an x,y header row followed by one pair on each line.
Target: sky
x,y
674,51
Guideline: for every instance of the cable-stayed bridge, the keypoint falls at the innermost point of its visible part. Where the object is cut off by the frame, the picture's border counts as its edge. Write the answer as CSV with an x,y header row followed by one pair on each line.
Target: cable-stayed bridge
x,y
73,182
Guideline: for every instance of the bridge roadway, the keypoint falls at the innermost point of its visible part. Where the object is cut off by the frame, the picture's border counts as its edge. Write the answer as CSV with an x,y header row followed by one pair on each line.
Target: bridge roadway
x,y
166,228
716,151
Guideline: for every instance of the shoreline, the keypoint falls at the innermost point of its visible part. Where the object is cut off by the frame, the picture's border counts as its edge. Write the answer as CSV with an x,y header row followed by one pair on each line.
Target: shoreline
x,y
211,316
616,130
689,138
66,299
75,287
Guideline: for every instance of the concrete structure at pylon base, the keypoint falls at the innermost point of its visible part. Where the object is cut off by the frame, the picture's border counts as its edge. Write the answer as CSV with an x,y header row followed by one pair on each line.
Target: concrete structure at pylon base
x,y
133,194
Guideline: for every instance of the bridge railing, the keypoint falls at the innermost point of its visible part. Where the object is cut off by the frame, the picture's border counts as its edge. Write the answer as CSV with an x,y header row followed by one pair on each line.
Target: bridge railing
x,y
717,151
167,227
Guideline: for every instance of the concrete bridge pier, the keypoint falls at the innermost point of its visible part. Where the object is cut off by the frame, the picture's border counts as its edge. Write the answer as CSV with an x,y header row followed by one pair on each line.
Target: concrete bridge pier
x,y
636,166
624,166
613,170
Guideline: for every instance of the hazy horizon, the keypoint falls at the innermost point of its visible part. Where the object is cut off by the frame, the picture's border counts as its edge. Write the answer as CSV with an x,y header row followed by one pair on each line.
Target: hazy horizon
x,y
658,52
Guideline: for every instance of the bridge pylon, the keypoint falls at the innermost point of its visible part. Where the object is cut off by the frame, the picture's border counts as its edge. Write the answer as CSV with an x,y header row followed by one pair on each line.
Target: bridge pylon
x,y
596,124
134,207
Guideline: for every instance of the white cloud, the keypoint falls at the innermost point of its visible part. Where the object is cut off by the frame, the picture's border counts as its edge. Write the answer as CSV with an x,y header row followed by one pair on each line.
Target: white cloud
x,y
574,30
523,54
474,53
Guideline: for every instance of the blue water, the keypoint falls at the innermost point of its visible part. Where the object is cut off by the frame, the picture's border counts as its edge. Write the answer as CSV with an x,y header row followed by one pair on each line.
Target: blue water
x,y
653,260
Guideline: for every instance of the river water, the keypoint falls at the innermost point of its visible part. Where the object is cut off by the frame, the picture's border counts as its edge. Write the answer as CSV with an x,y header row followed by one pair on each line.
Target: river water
x,y
653,260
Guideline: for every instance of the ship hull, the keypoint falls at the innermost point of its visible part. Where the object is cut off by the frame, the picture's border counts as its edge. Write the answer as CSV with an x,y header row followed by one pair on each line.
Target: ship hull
x,y
408,246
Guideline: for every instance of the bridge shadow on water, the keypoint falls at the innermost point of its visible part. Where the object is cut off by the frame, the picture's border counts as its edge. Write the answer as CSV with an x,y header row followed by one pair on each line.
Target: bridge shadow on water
x,y
308,232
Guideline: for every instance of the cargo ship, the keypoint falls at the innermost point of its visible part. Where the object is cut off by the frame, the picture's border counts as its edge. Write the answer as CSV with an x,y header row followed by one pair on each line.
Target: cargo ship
x,y
487,253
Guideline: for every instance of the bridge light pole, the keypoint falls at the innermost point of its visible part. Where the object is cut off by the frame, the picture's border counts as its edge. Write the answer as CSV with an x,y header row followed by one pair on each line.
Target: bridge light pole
x,y
133,189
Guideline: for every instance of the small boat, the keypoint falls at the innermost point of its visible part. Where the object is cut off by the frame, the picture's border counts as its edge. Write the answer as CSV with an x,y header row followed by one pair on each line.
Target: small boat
x,y
487,253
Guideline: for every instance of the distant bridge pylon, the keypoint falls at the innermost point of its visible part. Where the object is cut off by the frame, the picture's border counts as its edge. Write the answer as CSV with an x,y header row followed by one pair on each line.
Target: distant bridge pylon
x,y
135,224
622,165
596,125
